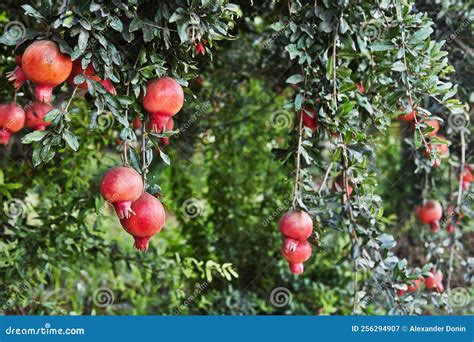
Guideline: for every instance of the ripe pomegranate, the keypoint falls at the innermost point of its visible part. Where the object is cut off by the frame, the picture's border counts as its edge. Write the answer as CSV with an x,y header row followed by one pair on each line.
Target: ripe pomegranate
x,y
35,115
435,125
430,213
412,288
310,120
121,186
164,98
435,281
466,178
12,119
298,256
77,70
17,76
137,123
45,66
169,127
148,220
360,87
338,185
407,116
296,225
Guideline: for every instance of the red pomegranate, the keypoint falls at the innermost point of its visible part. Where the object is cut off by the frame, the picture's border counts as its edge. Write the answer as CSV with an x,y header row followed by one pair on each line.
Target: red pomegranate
x,y
430,213
17,76
466,179
169,127
35,114
451,228
164,98
137,123
410,116
12,119
298,256
435,281
296,225
45,66
360,87
412,288
434,124
77,70
121,186
148,220
338,185
310,120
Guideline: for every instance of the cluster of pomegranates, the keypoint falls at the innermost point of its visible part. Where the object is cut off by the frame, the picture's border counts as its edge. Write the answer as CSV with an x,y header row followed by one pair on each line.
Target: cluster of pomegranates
x,y
432,282
44,65
434,124
296,226
141,214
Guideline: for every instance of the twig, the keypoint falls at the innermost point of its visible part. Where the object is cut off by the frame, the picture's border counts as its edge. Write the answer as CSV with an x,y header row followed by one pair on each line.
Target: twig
x,y
326,175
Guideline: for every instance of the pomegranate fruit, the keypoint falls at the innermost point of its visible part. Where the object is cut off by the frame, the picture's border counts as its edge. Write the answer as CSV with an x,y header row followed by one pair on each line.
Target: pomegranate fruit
x,y
435,125
430,213
451,228
435,281
310,120
148,220
297,225
17,76
137,123
45,66
35,114
360,87
169,127
338,186
164,98
298,256
121,186
415,286
12,119
466,178
77,70
410,116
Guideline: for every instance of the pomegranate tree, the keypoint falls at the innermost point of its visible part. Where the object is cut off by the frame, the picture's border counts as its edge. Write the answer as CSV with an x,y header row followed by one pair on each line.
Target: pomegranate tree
x,y
164,98
12,119
148,220
45,66
121,186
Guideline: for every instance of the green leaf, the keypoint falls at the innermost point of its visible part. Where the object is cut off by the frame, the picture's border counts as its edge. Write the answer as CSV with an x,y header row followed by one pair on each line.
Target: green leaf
x,y
418,139
52,115
295,79
34,136
420,35
165,157
71,140
399,66
116,24
382,46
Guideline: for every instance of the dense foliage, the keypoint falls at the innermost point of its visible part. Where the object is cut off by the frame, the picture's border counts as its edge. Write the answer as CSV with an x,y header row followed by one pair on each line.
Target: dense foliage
x,y
241,156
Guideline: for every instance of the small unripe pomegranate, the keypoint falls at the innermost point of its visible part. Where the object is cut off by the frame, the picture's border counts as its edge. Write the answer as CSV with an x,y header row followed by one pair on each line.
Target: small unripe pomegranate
x,y
12,119
17,76
360,87
430,213
148,220
410,116
412,288
35,114
435,125
435,281
164,98
298,256
338,185
169,127
121,186
45,66
297,225
310,120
